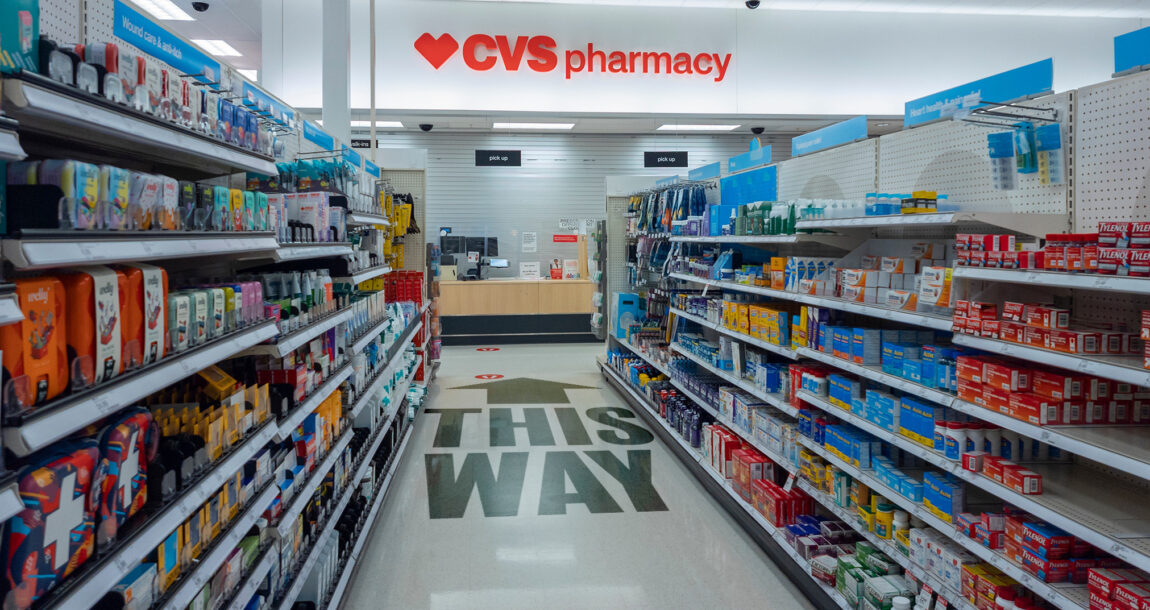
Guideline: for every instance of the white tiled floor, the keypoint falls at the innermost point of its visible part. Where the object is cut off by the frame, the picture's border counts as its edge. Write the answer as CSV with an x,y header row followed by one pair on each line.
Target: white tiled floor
x,y
689,556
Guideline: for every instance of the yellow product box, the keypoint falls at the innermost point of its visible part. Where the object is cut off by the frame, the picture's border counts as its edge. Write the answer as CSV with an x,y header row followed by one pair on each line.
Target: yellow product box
x,y
743,322
219,383
778,263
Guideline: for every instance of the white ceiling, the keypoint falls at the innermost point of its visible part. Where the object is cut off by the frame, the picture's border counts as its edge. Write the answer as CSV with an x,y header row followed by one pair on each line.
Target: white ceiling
x,y
789,126
238,21
1045,8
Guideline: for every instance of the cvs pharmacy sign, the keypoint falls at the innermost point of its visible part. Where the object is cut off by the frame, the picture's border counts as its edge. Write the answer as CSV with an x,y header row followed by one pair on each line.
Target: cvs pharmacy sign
x,y
482,52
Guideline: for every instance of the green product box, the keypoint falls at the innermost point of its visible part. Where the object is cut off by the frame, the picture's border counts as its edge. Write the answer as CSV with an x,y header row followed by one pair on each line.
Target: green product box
x,y
19,35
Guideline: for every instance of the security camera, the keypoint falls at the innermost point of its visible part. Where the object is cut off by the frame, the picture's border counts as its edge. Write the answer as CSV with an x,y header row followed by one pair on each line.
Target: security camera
x,y
426,126
752,4
757,130
203,6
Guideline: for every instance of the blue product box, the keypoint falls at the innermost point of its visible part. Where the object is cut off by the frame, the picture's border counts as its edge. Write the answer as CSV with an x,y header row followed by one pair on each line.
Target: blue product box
x,y
866,346
806,423
890,363
719,219
858,406
912,370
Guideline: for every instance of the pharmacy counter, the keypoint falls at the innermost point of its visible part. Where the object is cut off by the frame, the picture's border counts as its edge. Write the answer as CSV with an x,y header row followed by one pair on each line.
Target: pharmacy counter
x,y
515,311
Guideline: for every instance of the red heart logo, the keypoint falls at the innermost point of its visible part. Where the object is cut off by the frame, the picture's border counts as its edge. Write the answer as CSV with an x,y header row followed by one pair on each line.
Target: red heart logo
x,y
436,50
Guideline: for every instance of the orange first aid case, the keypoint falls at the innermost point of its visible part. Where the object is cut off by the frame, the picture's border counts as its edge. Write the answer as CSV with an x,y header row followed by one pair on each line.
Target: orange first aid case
x,y
96,322
35,349
145,305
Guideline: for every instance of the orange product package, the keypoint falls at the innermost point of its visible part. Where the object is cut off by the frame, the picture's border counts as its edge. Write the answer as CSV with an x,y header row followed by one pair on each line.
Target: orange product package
x,y
35,350
95,322
145,305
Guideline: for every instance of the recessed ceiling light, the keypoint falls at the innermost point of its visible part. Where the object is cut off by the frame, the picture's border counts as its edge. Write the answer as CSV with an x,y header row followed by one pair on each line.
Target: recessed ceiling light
x,y
252,75
882,125
534,126
679,127
378,124
218,48
164,9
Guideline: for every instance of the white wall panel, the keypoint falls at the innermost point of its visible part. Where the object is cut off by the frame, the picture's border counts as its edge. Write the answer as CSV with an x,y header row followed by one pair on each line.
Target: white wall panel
x,y
561,176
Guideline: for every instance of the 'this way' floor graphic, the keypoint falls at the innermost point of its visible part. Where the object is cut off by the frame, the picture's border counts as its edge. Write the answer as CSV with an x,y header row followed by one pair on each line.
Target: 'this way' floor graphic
x,y
475,450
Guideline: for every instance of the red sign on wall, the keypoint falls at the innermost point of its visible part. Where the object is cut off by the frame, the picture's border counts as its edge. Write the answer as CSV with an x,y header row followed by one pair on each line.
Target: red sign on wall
x,y
564,239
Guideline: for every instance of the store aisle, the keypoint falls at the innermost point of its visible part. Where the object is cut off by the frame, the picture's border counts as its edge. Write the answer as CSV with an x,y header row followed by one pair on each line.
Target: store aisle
x,y
552,526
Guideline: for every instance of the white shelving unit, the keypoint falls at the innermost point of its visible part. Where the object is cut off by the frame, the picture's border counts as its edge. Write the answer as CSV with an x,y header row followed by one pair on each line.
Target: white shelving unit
x,y
895,315
734,334
58,420
772,399
771,530
287,344
1051,279
364,218
366,274
1030,224
369,522
110,568
35,250
51,109
298,252
1118,368
318,395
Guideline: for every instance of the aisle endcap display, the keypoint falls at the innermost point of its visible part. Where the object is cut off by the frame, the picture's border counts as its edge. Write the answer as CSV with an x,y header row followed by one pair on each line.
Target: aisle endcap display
x,y
47,107
48,249
54,421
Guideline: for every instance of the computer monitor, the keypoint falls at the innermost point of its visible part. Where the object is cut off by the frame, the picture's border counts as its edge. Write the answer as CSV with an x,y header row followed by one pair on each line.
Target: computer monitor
x,y
477,244
498,263
453,244
492,246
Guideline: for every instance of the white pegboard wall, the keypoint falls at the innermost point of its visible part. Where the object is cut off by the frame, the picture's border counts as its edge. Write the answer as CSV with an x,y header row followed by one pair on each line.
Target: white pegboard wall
x,y
846,172
413,181
60,20
951,157
1111,164
616,264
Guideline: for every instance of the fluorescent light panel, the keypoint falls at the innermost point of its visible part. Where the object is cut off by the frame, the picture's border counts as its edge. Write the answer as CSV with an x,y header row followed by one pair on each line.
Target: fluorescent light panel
x,y
534,126
163,9
378,124
218,48
252,75
679,127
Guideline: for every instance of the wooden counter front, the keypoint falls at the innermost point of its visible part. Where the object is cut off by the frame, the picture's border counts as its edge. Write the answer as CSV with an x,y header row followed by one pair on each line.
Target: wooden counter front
x,y
515,297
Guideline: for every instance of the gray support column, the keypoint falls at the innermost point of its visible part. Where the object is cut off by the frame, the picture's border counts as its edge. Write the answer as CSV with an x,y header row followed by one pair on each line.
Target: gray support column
x,y
337,69
271,75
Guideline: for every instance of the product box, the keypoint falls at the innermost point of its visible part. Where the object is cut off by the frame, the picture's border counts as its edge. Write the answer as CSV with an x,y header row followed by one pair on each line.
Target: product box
x,y
1043,316
1055,385
1006,377
1114,261
1045,540
1035,409
1073,341
1102,581
20,36
1021,480
1114,234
